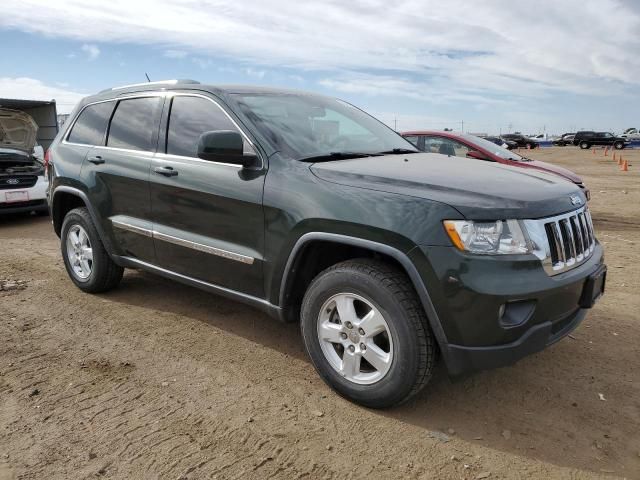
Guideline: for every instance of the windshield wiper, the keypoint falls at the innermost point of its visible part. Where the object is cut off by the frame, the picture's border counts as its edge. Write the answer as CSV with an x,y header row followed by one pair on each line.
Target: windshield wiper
x,y
398,151
327,157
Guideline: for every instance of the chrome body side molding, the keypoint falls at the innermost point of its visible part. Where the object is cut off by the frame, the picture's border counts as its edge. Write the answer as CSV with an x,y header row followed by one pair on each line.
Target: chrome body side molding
x,y
136,226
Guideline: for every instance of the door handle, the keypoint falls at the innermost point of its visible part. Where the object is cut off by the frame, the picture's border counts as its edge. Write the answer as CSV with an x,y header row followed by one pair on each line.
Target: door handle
x,y
96,160
166,171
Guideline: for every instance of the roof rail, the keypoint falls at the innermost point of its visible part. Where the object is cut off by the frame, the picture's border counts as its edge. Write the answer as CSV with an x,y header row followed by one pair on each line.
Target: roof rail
x,y
159,82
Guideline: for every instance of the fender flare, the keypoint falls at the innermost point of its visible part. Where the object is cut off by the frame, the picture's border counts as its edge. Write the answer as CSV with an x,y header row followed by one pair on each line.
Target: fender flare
x,y
399,256
92,212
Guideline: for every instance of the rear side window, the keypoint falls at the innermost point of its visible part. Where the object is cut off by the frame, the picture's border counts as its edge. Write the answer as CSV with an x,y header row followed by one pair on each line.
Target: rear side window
x,y
91,124
190,117
134,124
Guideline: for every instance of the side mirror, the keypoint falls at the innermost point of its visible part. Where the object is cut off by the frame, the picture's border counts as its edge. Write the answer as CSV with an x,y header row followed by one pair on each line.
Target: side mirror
x,y
477,155
225,146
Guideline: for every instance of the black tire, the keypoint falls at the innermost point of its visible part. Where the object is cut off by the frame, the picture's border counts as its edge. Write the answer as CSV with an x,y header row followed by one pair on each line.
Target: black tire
x,y
391,292
584,145
618,145
105,274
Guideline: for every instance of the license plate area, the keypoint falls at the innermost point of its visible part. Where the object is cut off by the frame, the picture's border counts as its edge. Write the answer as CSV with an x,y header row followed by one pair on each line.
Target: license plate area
x,y
593,287
17,196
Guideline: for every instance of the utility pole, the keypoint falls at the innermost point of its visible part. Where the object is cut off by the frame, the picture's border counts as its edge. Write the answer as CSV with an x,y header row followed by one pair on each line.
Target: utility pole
x,y
462,128
395,123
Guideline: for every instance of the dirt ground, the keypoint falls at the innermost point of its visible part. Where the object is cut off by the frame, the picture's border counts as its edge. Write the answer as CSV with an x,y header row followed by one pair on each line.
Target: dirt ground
x,y
157,380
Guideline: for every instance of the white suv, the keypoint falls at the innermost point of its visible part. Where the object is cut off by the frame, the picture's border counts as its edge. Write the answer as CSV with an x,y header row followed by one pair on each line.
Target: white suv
x,y
23,183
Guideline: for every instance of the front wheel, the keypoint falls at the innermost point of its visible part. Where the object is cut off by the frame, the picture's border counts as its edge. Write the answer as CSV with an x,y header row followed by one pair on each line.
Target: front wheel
x,y
366,333
618,145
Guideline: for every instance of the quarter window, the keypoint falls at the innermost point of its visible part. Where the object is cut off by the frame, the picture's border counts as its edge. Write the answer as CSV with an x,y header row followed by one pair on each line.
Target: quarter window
x,y
91,124
134,124
189,118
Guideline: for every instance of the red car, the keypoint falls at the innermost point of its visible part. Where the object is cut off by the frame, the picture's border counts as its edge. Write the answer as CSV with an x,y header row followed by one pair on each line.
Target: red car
x,y
465,145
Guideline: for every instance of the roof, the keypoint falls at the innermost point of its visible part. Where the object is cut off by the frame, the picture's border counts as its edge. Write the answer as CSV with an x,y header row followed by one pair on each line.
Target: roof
x,y
220,90
441,133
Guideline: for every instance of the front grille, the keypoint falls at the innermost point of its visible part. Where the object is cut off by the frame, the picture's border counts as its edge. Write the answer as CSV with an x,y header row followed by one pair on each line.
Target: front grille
x,y
571,239
22,181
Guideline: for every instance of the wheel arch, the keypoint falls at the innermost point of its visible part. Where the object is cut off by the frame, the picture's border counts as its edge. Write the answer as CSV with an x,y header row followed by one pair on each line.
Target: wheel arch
x,y
64,199
294,273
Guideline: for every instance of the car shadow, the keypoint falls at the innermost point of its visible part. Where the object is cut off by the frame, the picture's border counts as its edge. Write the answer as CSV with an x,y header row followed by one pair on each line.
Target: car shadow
x,y
546,407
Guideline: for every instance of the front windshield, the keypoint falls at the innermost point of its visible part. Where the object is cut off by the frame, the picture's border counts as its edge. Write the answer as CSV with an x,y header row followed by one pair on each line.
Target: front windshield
x,y
307,126
493,148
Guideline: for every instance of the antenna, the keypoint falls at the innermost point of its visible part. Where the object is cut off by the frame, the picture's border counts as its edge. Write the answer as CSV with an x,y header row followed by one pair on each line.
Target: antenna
x,y
148,79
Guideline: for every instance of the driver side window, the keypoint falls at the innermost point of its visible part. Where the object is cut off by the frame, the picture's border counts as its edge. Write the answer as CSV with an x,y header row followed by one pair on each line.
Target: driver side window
x,y
189,118
445,146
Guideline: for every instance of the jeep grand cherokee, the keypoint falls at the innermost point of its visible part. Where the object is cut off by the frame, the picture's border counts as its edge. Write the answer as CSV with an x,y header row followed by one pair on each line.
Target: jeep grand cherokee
x,y
313,211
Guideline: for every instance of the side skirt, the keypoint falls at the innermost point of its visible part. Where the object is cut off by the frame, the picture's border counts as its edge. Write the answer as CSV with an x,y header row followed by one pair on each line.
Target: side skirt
x,y
259,303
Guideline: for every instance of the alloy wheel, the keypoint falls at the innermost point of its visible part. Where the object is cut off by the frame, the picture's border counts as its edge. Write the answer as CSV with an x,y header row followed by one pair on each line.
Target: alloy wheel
x,y
79,252
355,338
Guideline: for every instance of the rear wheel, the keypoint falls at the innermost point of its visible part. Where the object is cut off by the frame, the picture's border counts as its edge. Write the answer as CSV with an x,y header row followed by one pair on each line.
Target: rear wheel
x,y
367,334
87,262
584,145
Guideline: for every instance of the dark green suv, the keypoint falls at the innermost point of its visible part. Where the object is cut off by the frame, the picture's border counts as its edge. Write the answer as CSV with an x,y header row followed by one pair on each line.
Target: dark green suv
x,y
313,211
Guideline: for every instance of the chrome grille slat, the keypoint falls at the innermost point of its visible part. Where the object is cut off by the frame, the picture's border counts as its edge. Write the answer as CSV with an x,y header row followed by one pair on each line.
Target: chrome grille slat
x,y
584,235
559,243
564,241
578,236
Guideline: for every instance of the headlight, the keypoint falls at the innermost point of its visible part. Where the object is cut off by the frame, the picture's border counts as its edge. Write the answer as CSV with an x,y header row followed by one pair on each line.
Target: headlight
x,y
489,238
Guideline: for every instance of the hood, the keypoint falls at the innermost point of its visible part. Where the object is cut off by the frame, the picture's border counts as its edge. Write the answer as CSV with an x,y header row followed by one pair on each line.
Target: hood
x,y
478,190
17,130
548,167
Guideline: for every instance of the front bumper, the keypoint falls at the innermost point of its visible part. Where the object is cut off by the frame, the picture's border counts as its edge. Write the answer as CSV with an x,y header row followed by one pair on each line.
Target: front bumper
x,y
470,292
24,207
37,198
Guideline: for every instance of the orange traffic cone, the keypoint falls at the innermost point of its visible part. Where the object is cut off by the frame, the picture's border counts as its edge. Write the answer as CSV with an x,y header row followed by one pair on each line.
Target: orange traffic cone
x,y
528,146
594,150
620,160
606,151
614,156
625,166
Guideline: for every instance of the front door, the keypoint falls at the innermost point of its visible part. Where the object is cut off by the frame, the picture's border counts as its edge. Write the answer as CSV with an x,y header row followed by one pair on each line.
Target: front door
x,y
208,218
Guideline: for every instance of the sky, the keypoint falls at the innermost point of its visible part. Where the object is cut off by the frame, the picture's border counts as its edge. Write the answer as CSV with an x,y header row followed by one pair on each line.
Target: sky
x,y
488,67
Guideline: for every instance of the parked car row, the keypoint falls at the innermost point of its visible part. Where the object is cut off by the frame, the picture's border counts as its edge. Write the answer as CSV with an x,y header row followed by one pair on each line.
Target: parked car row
x,y
469,146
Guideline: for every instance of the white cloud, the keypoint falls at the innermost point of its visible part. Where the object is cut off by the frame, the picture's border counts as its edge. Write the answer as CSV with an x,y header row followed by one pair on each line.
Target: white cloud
x,y
175,53
203,63
31,89
92,51
504,48
252,72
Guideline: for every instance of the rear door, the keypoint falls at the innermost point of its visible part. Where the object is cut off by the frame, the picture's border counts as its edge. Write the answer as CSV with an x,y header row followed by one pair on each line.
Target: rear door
x,y
117,174
207,215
